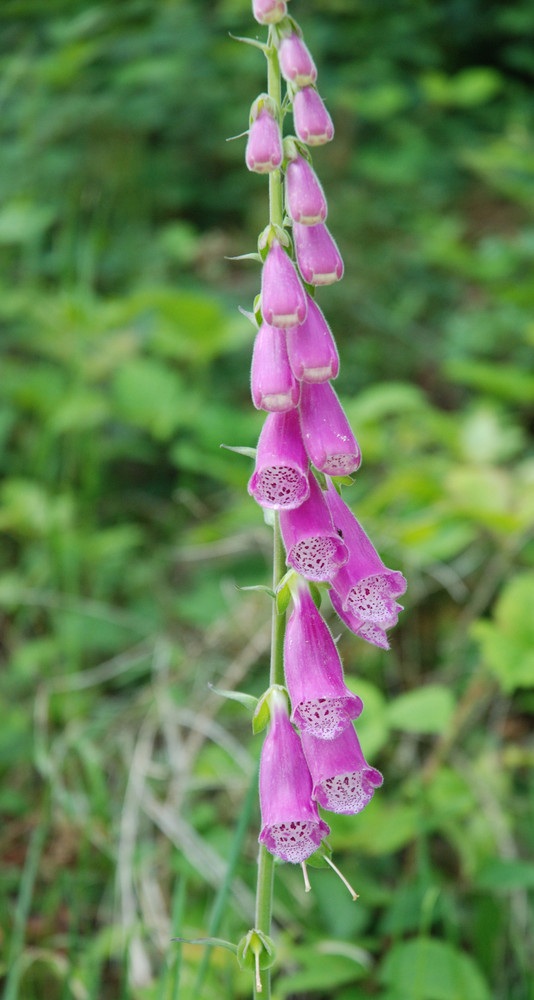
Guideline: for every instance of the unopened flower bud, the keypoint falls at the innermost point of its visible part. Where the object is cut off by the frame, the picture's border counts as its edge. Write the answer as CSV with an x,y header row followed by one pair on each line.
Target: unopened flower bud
x,y
326,432
264,144
311,348
274,386
283,299
296,63
305,198
318,258
313,124
269,11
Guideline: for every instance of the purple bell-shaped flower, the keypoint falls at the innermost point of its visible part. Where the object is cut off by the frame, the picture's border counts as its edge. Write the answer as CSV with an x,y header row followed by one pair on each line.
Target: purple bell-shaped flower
x,y
311,348
264,144
366,588
305,198
313,545
326,432
296,63
283,299
322,704
313,124
290,824
273,384
375,634
280,479
269,11
318,258
343,781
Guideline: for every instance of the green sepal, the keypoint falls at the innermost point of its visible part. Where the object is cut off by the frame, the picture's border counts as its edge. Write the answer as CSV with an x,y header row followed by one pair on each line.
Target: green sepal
x,y
250,41
253,944
317,859
248,452
248,700
316,595
262,587
212,941
342,480
262,713
257,309
246,256
283,592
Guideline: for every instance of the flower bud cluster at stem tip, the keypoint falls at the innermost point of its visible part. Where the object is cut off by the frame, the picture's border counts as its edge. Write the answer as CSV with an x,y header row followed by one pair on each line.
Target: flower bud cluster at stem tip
x,y
311,755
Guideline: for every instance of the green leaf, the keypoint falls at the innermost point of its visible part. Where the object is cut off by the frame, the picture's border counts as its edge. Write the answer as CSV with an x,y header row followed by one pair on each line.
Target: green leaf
x,y
317,859
248,700
427,710
506,876
214,942
260,587
151,396
507,642
428,969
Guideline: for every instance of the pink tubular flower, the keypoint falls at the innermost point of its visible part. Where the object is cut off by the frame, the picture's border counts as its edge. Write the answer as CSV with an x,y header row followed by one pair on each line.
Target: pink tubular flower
x,y
313,124
305,198
326,432
375,634
313,545
269,11
283,299
322,704
274,386
365,586
311,348
264,144
296,63
280,479
343,781
318,257
290,824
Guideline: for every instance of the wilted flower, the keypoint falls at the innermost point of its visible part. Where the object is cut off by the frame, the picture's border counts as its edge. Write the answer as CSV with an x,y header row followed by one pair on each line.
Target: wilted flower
x,y
311,348
322,704
296,63
290,824
264,145
313,124
280,478
326,431
274,386
305,198
313,545
343,781
318,257
366,587
283,299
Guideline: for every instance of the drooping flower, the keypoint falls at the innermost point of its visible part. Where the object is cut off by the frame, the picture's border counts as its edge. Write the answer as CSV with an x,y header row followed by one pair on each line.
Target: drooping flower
x,y
283,299
305,198
343,781
264,144
273,384
269,11
322,703
326,432
313,124
280,479
296,63
290,824
375,634
318,258
311,348
366,588
313,545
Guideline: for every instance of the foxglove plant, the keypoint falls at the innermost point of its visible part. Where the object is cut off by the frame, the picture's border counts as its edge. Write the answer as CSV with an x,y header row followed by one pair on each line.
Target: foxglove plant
x,y
311,754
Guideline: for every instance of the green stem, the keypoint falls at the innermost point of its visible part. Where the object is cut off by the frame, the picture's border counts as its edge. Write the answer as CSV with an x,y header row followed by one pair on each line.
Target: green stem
x,y
264,890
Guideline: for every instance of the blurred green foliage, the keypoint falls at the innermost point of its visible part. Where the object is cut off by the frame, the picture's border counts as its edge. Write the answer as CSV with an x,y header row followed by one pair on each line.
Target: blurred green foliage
x,y
125,529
